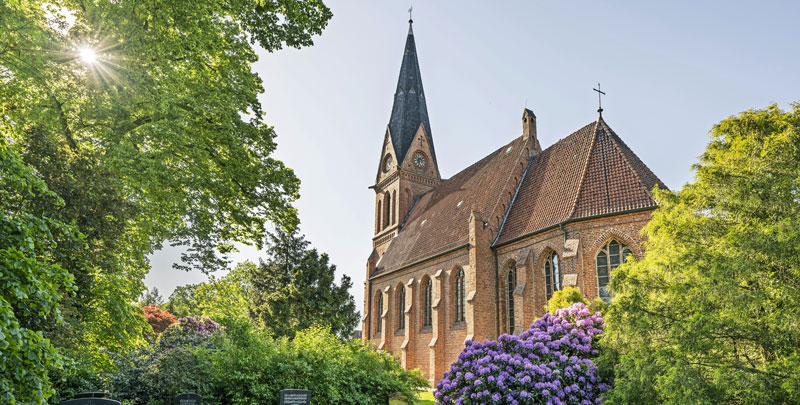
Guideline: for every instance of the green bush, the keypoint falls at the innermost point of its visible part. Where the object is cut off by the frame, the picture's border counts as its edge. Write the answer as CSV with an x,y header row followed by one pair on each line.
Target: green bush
x,y
246,366
251,368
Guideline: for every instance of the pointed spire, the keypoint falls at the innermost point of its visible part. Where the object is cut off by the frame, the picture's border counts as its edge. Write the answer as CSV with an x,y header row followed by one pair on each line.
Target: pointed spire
x,y
409,110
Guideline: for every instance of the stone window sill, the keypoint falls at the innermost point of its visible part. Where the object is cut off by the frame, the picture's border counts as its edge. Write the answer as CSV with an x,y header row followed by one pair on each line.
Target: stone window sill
x,y
376,335
458,325
427,329
400,332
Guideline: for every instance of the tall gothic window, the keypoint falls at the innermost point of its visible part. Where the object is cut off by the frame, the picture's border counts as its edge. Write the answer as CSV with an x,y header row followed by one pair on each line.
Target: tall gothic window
x,y
552,274
401,308
460,317
378,226
387,208
511,284
379,312
428,321
394,201
609,258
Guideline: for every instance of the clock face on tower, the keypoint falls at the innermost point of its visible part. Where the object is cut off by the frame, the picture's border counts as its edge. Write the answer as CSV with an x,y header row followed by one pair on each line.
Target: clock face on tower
x,y
419,160
387,163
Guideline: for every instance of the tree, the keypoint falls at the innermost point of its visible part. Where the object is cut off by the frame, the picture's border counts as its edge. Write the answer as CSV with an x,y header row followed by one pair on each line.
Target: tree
x,y
157,318
144,121
295,288
563,298
152,297
226,298
30,283
182,302
710,314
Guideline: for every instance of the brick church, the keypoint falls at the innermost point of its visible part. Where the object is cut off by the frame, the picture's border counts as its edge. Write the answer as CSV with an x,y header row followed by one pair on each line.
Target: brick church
x,y
478,255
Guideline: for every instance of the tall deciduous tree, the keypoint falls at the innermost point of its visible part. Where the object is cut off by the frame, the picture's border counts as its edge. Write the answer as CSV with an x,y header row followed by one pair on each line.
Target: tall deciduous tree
x,y
295,288
710,315
143,118
30,283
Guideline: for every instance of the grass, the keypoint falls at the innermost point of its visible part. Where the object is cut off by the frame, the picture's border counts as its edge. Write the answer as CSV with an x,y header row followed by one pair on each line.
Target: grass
x,y
426,398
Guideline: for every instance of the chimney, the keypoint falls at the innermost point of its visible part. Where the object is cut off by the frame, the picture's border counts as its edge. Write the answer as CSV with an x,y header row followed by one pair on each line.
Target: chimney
x,y
529,131
528,124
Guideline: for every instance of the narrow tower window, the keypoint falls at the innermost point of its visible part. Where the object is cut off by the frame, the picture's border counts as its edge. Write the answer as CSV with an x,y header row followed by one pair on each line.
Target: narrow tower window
x,y
378,218
387,209
394,202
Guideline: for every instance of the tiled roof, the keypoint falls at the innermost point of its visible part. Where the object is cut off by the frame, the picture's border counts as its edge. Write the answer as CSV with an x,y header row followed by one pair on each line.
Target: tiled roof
x,y
409,109
591,172
438,223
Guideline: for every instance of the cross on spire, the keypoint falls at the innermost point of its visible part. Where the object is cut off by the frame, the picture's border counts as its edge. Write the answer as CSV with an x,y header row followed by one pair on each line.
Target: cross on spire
x,y
410,20
599,101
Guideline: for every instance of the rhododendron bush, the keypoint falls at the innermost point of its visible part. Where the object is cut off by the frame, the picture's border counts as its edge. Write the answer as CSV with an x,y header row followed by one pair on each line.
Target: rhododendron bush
x,y
550,363
189,330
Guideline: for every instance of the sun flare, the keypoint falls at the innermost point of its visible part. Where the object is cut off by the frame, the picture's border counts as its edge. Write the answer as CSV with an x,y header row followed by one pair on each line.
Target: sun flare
x,y
88,55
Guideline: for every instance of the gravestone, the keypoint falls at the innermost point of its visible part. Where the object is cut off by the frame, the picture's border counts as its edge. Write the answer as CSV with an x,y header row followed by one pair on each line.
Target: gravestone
x,y
398,399
188,399
295,397
90,398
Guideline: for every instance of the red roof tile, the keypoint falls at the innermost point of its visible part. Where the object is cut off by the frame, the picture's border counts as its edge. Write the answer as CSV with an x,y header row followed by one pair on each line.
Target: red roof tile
x,y
437,223
591,172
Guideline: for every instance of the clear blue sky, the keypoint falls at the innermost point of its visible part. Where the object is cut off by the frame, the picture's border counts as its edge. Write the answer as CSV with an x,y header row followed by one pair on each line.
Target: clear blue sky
x,y
671,71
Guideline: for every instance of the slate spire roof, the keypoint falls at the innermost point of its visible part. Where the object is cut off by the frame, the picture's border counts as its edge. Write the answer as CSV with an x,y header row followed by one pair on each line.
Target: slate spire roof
x,y
409,109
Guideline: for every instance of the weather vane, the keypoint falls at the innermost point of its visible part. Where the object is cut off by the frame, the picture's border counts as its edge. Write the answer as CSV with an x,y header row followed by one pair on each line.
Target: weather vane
x,y
599,100
410,20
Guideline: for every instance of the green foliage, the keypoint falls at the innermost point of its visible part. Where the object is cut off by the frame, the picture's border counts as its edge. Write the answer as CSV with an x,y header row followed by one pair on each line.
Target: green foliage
x,y
252,368
245,366
295,288
710,314
31,285
162,139
182,302
564,298
226,298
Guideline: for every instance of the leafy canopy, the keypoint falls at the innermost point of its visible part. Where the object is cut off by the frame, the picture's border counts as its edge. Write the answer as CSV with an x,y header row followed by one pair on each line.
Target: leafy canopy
x,y
710,314
295,288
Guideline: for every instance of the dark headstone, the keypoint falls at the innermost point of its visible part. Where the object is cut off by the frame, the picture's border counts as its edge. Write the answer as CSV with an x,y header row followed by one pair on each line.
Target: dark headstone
x,y
188,399
90,401
397,399
91,395
295,397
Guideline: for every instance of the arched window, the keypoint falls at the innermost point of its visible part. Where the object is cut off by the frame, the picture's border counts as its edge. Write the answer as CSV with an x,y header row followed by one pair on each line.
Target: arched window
x,y
609,258
394,202
460,317
511,284
378,226
378,312
401,308
428,321
387,208
552,274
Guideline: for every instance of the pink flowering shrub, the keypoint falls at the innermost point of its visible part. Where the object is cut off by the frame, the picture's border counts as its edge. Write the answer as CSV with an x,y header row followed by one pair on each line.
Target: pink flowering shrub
x,y
189,330
550,363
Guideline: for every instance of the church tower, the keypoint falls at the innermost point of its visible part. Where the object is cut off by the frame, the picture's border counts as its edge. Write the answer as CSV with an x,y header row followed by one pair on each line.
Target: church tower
x,y
407,166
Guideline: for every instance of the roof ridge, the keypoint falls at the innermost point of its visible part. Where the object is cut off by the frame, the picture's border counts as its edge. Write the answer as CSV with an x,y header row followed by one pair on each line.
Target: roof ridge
x,y
623,147
513,199
510,176
583,172
614,137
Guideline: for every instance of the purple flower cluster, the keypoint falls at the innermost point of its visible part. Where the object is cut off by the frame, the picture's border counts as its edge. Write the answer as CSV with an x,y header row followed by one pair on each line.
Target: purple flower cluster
x,y
192,330
550,363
